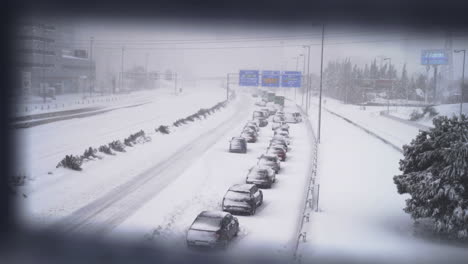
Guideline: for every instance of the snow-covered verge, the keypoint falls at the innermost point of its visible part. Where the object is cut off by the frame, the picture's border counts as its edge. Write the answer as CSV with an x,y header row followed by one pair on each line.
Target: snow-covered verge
x,y
442,110
54,194
33,105
361,218
38,149
270,233
370,118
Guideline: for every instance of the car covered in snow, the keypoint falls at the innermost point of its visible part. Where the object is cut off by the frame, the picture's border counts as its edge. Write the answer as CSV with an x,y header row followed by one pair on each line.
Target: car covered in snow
x,y
242,198
283,138
260,103
238,145
250,130
250,137
270,161
212,229
266,112
262,176
283,133
279,151
259,115
278,119
280,124
262,122
279,143
252,125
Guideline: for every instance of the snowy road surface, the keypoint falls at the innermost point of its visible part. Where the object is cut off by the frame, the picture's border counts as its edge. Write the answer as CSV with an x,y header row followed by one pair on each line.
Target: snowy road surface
x,y
271,231
115,206
361,218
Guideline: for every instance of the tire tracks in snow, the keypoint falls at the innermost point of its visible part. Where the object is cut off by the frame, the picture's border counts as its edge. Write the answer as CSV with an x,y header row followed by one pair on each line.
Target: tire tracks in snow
x,y
108,211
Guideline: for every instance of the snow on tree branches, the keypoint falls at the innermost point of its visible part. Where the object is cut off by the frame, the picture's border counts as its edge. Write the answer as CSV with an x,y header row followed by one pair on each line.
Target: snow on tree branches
x,y
435,175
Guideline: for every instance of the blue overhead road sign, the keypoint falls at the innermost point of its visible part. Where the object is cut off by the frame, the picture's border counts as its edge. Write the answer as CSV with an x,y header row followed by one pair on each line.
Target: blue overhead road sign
x,y
291,79
434,57
271,78
248,78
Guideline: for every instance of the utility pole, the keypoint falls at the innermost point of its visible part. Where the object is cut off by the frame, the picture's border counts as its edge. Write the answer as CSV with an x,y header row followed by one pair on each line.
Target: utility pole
x,y
391,86
462,80
321,85
91,75
122,70
303,81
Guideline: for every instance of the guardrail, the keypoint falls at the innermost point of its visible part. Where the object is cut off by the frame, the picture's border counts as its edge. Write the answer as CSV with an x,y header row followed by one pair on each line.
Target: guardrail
x,y
312,191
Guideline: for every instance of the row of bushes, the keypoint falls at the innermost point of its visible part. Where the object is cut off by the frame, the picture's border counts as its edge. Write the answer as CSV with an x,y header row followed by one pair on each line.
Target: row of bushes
x,y
74,162
202,113
427,110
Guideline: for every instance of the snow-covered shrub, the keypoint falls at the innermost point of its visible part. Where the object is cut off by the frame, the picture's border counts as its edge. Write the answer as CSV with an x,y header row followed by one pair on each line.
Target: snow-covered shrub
x,y
71,162
430,110
17,180
90,153
138,137
435,175
416,115
106,149
117,146
163,129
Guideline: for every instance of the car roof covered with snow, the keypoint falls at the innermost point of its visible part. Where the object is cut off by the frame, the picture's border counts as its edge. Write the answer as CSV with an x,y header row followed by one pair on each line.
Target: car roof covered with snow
x,y
241,187
209,220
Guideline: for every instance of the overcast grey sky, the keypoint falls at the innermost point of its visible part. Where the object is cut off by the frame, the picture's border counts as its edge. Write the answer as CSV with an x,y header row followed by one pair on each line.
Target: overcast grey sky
x,y
200,50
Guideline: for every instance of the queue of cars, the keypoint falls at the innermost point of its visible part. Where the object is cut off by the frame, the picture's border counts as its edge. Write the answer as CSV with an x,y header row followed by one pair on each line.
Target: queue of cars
x,y
214,229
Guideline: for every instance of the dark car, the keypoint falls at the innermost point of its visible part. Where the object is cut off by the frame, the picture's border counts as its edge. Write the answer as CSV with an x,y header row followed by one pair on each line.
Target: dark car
x,y
249,137
259,114
250,130
253,125
270,161
213,229
261,122
283,133
242,198
238,145
262,176
279,143
278,151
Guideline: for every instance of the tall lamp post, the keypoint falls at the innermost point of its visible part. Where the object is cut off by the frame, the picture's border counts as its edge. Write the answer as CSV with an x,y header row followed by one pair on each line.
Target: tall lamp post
x,y
308,78
462,80
391,85
303,81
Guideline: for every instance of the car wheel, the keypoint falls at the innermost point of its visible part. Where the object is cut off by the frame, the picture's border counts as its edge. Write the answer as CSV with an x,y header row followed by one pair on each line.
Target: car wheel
x,y
254,209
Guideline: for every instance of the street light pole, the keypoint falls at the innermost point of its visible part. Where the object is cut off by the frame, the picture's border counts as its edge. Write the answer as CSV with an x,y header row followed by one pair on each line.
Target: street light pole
x,y
320,92
308,79
391,85
303,81
462,80
91,83
122,70
227,87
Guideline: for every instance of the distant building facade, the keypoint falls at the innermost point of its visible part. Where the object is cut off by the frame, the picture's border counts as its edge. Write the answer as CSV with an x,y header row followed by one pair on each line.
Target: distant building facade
x,y
47,60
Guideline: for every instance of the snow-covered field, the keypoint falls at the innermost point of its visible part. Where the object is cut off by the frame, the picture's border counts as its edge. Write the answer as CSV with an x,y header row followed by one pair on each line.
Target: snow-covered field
x,y
361,218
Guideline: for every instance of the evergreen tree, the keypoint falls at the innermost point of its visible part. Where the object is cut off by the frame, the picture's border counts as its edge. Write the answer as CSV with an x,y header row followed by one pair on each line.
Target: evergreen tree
x,y
435,175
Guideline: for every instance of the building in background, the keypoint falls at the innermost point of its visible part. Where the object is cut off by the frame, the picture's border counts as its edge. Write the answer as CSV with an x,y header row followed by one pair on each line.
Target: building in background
x,y
47,61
